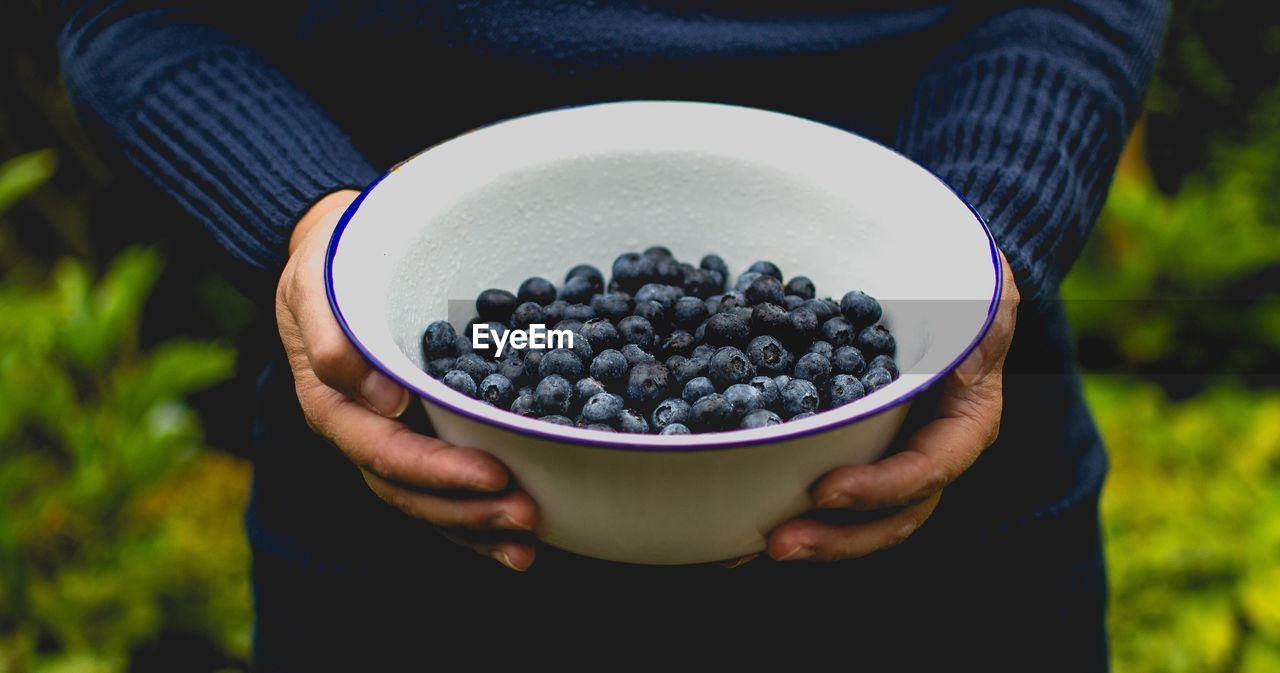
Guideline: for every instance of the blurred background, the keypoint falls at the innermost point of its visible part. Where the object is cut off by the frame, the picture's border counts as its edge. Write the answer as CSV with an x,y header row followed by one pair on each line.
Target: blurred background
x,y
121,385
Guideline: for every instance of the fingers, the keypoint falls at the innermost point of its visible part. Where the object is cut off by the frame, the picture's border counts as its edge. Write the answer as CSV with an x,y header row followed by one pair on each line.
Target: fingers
x,y
514,511
989,354
515,554
804,539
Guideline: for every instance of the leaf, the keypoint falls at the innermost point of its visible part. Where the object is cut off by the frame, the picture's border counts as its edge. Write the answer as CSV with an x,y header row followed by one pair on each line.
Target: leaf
x,y
23,174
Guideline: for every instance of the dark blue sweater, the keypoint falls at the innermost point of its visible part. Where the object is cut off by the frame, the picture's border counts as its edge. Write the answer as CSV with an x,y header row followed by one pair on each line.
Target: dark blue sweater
x,y
246,113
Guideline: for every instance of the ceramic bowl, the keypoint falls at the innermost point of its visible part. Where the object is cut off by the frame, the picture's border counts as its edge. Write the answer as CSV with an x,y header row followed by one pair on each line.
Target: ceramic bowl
x,y
538,194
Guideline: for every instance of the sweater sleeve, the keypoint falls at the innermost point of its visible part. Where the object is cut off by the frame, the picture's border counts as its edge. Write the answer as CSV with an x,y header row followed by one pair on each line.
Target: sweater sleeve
x,y
202,115
1026,115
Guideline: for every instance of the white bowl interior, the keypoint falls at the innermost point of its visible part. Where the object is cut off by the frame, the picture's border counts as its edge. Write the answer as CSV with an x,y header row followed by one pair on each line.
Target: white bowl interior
x,y
539,194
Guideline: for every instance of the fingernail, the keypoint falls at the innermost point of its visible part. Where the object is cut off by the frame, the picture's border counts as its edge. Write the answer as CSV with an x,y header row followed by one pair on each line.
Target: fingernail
x,y
800,553
501,557
742,561
384,395
834,500
505,520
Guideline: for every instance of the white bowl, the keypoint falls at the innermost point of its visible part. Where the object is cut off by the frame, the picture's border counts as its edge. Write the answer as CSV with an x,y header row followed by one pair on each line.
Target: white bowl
x,y
539,194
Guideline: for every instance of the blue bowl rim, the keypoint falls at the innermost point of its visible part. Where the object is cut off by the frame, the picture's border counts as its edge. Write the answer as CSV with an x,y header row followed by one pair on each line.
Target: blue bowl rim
x,y
627,442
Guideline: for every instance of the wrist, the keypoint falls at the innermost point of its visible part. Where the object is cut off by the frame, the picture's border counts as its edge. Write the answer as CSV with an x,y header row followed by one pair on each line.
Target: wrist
x,y
326,210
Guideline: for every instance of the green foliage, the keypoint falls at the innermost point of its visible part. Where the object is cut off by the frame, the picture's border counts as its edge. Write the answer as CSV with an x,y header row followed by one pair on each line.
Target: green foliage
x,y
115,524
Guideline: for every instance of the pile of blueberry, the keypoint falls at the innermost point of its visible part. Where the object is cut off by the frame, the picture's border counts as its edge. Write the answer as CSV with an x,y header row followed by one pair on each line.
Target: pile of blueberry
x,y
665,348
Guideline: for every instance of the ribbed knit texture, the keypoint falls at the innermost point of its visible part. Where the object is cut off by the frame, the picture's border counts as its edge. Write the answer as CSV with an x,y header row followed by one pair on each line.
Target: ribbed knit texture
x,y
208,120
1023,110
1026,116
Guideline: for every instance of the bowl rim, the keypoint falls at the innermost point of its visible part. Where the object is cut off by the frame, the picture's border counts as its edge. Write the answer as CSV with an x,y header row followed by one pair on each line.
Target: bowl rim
x,y
633,442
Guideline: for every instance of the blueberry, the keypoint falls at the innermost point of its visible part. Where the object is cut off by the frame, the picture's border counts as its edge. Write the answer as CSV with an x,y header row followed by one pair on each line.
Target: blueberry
x,y
688,370
703,352
632,270
602,408
886,363
671,410
561,362
760,418
769,318
475,366
764,289
586,388
689,312
876,379
729,366
528,313
578,290
727,329
538,290
582,347
657,252
495,304
715,263
781,380
557,419
767,269
745,398
525,405
667,271
636,355
702,283
610,367
820,308
553,395
632,421
600,333
711,413
636,330
860,308
648,383
460,381
822,348
745,280
497,390
613,306
792,302
876,340
666,295
800,417
803,324
601,427
675,429
678,342
768,388
589,272
696,389
533,362
579,312
511,365
574,326
800,286
800,396
462,345
524,390
767,354
731,299
439,340
651,311
845,389
848,360
838,332
813,367
554,312
438,367
713,304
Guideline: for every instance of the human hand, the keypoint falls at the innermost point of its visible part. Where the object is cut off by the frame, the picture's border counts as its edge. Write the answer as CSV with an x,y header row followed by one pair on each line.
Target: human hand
x,y
908,484
462,491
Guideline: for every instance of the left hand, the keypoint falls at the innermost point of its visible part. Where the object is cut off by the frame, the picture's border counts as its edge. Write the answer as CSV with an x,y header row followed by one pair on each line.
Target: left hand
x,y
909,483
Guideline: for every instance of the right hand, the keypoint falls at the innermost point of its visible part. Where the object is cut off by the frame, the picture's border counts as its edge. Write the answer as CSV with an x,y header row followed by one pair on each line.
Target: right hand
x,y
462,491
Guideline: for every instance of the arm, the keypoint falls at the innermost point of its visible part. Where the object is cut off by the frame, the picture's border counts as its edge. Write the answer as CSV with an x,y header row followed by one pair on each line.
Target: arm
x,y
202,115
1026,115
261,166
